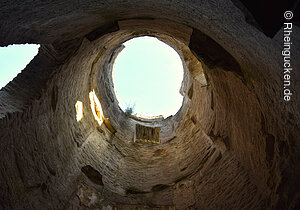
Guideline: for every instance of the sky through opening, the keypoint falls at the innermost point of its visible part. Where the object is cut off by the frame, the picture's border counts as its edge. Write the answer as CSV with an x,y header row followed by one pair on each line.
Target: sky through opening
x,y
13,59
147,74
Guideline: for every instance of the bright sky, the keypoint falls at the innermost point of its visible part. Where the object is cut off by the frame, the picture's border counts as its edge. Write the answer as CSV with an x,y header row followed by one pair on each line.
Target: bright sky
x,y
13,59
147,74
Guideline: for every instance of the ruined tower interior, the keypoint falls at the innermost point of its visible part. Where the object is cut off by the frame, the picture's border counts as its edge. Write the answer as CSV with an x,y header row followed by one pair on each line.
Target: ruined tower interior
x,y
234,143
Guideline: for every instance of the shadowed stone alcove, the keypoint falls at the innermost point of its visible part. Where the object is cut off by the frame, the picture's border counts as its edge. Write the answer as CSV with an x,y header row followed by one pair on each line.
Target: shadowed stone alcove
x,y
234,144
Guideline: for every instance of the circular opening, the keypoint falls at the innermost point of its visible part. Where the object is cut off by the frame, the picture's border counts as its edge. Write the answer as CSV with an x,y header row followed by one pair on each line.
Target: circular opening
x,y
147,77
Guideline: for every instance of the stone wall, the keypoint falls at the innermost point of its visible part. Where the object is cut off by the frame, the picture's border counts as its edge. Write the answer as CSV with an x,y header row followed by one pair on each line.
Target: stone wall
x,y
234,144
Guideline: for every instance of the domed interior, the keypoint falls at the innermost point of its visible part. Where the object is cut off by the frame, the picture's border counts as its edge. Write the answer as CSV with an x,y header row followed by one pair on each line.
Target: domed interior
x,y
232,145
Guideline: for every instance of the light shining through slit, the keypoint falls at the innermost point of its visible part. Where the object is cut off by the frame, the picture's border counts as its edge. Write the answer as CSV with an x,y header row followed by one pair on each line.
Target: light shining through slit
x,y
79,110
96,107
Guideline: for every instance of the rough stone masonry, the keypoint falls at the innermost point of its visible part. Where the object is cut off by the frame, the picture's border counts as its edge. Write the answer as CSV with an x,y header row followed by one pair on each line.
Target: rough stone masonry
x,y
233,145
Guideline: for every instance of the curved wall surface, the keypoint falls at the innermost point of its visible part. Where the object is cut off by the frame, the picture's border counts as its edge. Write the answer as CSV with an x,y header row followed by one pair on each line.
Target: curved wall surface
x,y
234,144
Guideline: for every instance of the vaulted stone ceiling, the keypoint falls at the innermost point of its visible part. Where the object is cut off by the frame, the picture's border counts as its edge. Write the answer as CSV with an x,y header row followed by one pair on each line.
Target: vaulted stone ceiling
x,y
233,145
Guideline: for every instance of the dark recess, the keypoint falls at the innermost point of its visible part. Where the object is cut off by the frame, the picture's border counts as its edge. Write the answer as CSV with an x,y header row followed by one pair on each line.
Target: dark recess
x,y
92,174
212,54
134,191
159,187
268,14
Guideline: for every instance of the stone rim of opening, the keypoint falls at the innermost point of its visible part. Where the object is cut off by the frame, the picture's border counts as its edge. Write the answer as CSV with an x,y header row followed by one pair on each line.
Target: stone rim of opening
x,y
101,79
124,124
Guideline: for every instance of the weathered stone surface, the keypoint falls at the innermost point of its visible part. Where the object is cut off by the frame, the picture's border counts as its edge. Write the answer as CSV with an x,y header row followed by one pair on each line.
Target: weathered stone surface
x,y
147,134
233,145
